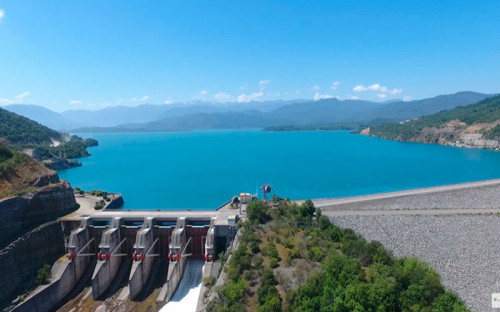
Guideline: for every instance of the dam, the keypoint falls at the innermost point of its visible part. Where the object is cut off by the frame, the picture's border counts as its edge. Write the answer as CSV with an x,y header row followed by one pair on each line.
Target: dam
x,y
147,245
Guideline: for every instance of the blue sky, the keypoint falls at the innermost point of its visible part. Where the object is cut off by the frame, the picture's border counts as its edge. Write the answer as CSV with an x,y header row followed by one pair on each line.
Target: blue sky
x,y
92,54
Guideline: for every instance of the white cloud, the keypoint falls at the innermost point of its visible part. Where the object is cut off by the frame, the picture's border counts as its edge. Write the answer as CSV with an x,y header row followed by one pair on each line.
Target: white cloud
x,y
353,97
406,98
167,102
222,97
315,88
75,102
335,85
318,96
362,88
2,13
244,98
18,99
378,88
382,95
203,92
144,98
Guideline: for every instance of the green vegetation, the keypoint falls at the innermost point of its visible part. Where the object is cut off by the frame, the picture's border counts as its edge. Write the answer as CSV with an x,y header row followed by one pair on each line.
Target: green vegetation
x,y
9,159
354,126
76,147
19,130
5,153
485,111
330,269
99,205
43,274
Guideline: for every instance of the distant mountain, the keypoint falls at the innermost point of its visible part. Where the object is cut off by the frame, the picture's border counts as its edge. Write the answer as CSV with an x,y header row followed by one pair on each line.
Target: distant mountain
x,y
43,116
324,111
476,125
119,115
112,116
407,110
323,114
328,113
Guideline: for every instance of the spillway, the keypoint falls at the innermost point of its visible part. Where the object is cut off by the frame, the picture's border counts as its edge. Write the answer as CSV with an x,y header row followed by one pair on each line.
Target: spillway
x,y
186,297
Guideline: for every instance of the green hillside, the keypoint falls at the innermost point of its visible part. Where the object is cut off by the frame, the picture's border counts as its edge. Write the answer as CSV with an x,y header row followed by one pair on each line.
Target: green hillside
x,y
20,133
484,114
19,130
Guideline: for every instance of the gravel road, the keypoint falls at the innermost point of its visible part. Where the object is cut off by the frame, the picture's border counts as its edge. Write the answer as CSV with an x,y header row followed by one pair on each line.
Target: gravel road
x,y
484,195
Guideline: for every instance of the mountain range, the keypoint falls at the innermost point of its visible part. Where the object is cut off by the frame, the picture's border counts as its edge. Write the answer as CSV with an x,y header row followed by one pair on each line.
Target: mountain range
x,y
208,115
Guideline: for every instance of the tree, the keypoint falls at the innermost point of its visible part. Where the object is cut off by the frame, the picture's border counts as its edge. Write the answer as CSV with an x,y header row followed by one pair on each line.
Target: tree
x,y
257,212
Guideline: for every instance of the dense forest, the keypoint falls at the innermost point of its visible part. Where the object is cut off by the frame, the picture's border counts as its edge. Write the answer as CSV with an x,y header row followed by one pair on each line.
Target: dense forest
x,y
291,258
19,130
485,111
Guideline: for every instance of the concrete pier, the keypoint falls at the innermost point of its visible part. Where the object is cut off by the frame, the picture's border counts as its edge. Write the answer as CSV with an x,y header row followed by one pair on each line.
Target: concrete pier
x,y
109,258
143,257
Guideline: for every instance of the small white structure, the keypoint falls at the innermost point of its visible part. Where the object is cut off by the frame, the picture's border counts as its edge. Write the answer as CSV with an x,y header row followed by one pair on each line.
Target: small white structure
x,y
245,198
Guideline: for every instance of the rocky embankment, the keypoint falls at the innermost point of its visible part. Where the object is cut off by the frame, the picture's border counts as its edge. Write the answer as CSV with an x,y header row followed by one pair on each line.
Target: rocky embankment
x,y
453,133
30,235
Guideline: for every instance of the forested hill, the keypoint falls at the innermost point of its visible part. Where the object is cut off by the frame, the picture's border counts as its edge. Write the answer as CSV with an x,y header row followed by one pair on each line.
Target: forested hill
x,y
19,130
476,125
40,142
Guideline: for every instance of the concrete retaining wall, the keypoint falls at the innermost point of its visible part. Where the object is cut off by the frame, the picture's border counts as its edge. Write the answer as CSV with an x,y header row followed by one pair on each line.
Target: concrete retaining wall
x,y
22,259
65,275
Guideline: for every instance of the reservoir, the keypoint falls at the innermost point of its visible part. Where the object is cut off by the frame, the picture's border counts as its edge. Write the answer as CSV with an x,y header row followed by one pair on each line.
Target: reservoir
x,y
204,169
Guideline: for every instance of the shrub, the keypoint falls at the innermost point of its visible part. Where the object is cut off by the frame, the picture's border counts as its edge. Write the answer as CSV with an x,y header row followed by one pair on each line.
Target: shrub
x,y
209,281
43,274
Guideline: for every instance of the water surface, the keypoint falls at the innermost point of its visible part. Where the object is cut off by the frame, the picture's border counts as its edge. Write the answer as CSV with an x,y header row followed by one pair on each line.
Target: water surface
x,y
203,169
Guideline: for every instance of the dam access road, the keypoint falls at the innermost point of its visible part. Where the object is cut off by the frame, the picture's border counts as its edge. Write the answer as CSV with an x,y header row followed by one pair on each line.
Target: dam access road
x,y
454,228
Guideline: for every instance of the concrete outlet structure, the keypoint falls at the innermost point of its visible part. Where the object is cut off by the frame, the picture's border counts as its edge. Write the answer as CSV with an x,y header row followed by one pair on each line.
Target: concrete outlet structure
x,y
102,242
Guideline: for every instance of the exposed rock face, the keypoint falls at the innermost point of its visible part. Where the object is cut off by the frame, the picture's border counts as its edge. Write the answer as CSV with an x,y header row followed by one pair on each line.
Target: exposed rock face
x,y
453,133
365,131
23,213
458,133
61,163
22,259
25,175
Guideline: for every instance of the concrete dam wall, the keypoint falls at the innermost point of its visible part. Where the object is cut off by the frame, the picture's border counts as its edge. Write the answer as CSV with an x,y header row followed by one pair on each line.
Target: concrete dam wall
x,y
105,243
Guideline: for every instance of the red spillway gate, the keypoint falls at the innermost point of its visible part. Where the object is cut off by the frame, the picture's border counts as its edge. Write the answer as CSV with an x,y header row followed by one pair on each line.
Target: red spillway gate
x,y
198,234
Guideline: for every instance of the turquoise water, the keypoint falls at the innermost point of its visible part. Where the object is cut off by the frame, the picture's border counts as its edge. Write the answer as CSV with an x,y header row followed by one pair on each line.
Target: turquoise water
x,y
203,169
